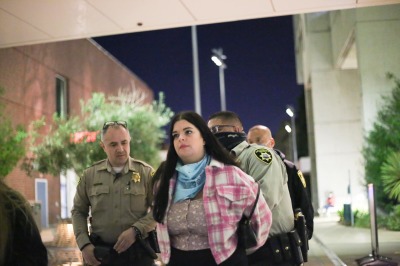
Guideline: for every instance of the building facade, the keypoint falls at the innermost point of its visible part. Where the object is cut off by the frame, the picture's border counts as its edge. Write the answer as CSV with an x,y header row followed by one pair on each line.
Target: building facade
x,y
40,80
342,59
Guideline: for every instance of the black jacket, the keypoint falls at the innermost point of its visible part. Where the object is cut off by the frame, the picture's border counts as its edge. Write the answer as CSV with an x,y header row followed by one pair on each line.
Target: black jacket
x,y
298,192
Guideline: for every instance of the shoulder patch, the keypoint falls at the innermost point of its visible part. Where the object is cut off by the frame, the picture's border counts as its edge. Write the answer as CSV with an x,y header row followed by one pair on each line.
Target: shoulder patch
x,y
263,155
302,179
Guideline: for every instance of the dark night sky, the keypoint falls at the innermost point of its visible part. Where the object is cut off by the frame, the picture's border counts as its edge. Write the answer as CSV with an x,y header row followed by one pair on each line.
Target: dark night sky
x,y
260,77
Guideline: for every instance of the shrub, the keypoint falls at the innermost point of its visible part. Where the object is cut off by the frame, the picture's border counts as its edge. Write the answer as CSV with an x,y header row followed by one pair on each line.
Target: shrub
x,y
59,150
12,143
390,170
393,220
382,141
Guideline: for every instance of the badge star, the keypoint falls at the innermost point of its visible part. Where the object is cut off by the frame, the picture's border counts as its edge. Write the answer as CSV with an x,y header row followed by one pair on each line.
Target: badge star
x,y
266,155
135,177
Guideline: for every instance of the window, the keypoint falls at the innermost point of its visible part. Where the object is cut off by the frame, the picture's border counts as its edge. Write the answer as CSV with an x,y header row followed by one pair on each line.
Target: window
x,y
68,183
41,195
61,96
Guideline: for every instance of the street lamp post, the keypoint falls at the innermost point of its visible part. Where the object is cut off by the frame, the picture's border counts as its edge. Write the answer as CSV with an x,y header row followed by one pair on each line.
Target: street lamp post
x,y
197,100
218,58
290,112
288,129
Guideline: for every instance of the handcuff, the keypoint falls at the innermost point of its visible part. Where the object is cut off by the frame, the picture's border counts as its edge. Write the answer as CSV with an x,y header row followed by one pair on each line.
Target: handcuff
x,y
137,232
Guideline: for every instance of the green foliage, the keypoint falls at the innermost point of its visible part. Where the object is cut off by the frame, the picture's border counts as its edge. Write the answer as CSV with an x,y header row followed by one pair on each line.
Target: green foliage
x,y
340,213
391,176
12,143
362,219
393,220
56,152
382,141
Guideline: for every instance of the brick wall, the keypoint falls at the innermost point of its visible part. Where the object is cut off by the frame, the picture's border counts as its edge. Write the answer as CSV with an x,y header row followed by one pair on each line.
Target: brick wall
x,y
28,75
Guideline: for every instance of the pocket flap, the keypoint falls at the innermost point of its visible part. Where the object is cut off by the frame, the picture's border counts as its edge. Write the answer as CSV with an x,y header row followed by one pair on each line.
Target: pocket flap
x,y
97,190
233,193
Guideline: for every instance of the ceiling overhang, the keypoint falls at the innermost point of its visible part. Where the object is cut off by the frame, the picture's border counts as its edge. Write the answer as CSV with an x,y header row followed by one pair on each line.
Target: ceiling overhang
x,y
24,22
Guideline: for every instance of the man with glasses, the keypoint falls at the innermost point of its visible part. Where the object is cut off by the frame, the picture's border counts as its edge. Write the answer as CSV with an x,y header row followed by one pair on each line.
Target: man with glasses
x,y
117,193
263,164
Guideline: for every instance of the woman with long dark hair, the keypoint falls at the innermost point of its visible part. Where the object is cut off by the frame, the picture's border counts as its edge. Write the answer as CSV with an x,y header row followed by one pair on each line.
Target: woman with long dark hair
x,y
20,241
200,197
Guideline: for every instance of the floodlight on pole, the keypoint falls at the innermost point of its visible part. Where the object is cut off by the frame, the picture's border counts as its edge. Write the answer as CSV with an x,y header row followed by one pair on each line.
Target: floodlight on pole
x,y
290,111
218,58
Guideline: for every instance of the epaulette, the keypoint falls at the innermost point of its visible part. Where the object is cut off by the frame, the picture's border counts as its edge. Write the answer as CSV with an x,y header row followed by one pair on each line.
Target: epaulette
x,y
141,162
98,162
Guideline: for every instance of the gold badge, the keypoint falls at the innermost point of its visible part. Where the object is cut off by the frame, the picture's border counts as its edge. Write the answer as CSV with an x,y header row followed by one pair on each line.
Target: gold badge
x,y
264,155
152,173
302,179
135,177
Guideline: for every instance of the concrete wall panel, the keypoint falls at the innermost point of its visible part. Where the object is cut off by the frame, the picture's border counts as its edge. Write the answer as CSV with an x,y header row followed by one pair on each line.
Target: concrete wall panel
x,y
342,27
378,45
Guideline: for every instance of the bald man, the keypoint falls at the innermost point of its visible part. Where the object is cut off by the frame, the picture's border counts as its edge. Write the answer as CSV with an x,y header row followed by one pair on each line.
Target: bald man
x,y
261,135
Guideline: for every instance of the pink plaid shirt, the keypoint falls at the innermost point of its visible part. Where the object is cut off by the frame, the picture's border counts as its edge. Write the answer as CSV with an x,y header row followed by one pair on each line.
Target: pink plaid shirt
x,y
227,194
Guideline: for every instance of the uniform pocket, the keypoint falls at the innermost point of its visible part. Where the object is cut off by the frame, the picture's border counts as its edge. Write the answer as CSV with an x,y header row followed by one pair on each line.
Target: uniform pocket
x,y
136,197
99,196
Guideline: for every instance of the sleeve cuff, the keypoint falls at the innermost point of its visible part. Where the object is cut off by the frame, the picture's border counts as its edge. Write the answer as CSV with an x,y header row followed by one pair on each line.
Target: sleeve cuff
x,y
87,244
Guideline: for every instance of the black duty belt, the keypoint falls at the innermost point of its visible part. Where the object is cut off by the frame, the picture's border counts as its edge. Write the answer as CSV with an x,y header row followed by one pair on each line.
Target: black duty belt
x,y
285,247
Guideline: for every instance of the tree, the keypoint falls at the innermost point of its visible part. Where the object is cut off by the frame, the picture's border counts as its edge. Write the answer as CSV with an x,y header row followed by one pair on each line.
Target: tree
x,y
381,143
73,143
12,143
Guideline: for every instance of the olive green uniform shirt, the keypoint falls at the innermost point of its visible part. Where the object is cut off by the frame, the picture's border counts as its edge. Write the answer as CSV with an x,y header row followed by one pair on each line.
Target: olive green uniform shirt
x,y
115,203
268,170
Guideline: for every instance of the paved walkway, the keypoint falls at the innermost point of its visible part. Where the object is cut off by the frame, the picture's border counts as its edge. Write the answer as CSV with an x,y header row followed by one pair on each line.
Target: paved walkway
x,y
332,244
339,245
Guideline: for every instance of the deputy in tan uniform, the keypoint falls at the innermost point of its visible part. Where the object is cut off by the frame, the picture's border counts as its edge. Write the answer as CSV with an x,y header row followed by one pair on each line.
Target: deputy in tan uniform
x,y
262,135
268,170
117,193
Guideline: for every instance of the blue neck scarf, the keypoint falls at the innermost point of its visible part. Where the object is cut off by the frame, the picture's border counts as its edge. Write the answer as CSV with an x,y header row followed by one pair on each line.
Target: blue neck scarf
x,y
191,179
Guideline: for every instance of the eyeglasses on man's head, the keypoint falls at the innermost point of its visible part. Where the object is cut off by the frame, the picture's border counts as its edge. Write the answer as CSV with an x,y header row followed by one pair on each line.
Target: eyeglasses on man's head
x,y
220,128
112,123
